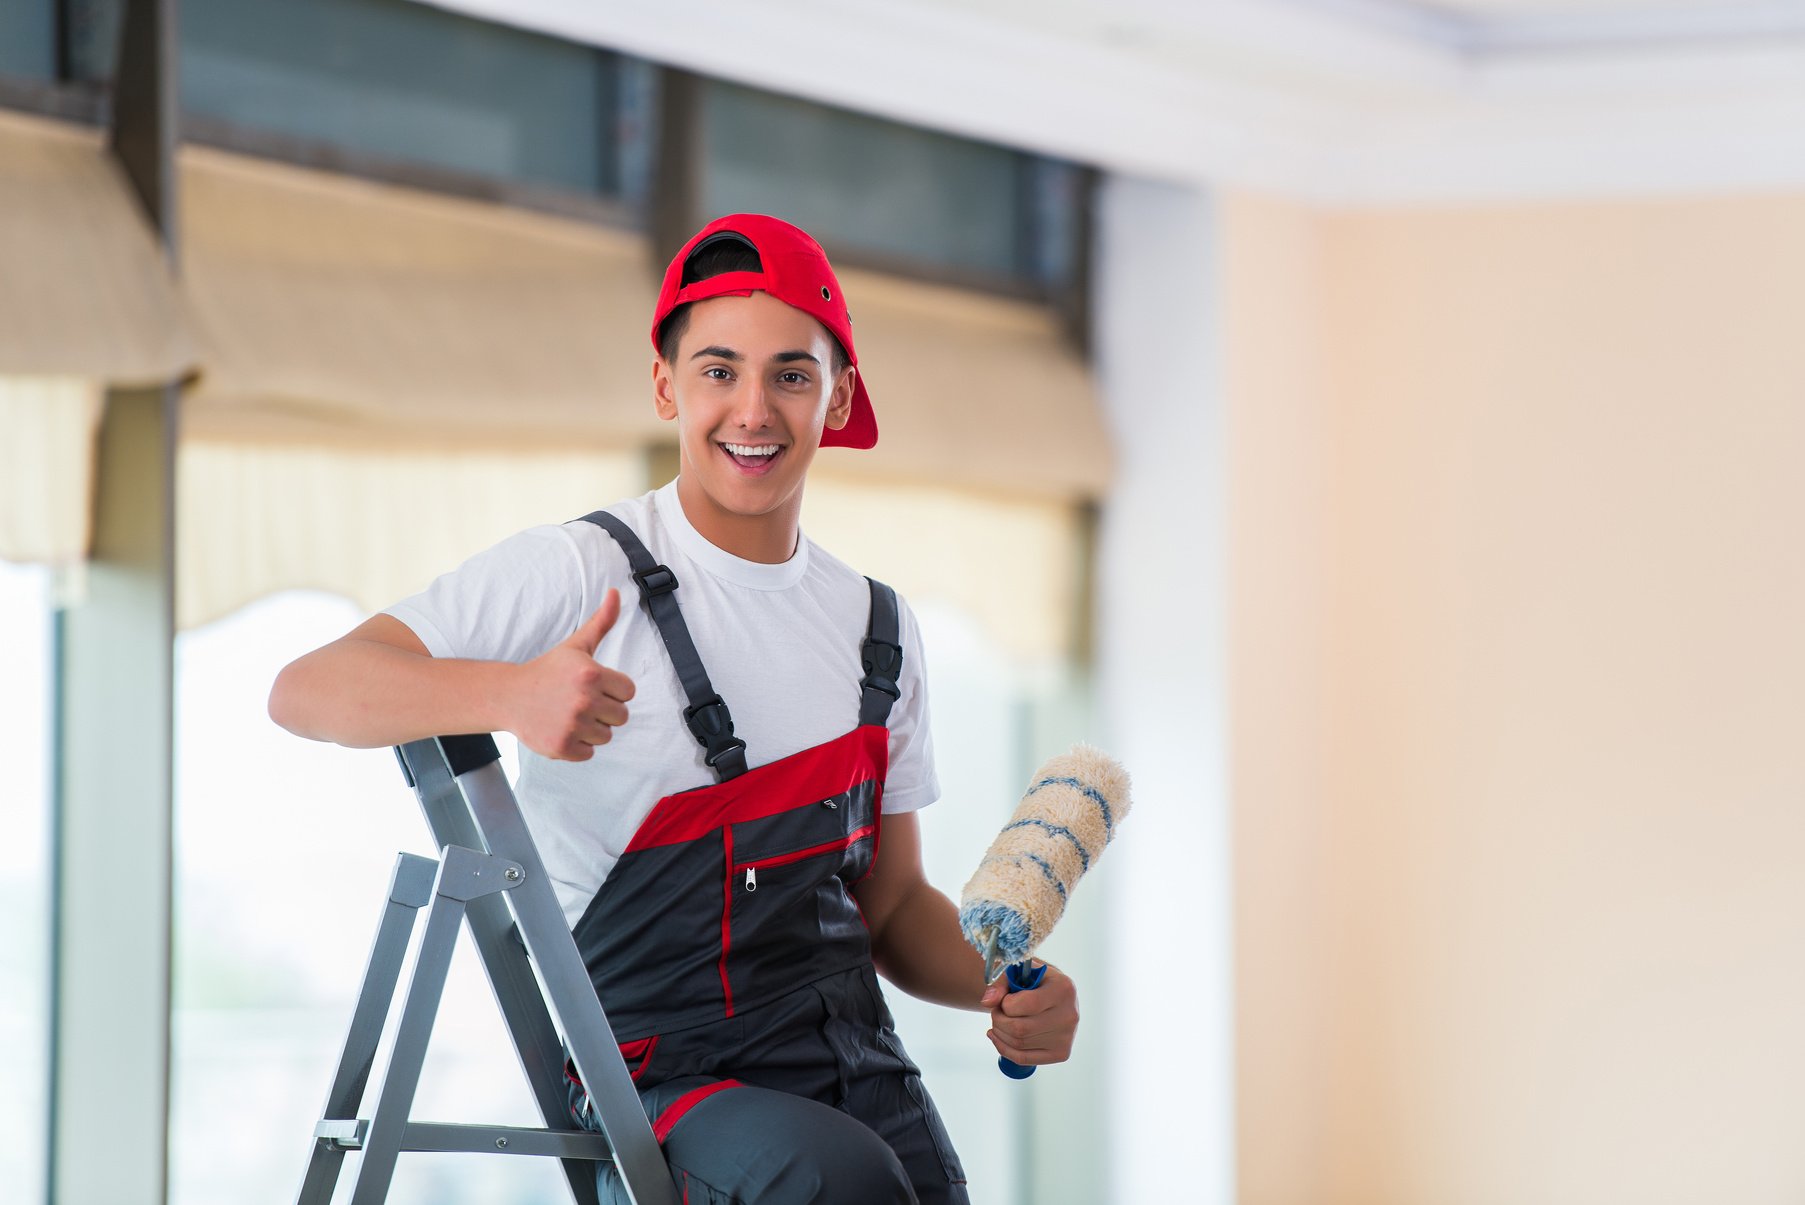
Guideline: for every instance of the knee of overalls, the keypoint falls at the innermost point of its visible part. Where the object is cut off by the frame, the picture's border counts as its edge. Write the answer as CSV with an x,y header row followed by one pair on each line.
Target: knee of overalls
x,y
734,1144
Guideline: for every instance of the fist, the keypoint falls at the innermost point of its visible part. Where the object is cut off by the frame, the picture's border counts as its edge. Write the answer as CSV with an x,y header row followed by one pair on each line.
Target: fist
x,y
565,702
1037,1026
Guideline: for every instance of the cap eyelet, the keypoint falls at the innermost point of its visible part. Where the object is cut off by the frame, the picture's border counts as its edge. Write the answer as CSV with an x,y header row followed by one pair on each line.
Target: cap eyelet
x,y
825,295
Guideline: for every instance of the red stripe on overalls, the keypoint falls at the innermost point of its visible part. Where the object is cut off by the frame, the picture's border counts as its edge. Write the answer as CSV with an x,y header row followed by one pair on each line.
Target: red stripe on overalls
x,y
673,1112
813,851
820,772
639,1051
727,914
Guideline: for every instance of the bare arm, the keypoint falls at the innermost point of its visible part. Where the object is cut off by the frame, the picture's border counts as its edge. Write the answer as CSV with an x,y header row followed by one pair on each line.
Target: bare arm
x,y
917,945
377,685
915,937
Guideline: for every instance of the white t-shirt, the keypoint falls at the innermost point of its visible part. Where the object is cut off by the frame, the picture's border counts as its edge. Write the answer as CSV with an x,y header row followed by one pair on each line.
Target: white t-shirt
x,y
780,643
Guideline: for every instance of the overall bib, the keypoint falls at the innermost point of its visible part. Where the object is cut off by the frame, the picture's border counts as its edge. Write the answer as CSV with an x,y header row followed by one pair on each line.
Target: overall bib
x,y
735,966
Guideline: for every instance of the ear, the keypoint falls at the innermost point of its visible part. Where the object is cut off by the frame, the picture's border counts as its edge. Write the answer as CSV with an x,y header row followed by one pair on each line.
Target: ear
x,y
664,390
839,406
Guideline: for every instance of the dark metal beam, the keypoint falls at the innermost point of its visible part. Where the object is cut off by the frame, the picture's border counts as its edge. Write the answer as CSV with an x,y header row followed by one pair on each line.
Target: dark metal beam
x,y
145,105
676,197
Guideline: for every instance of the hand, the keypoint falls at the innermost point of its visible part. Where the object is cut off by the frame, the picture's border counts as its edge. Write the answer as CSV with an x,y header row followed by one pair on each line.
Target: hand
x,y
565,703
1034,1027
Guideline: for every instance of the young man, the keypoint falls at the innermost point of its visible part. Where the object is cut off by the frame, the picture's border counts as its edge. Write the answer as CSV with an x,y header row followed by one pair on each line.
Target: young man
x,y
717,857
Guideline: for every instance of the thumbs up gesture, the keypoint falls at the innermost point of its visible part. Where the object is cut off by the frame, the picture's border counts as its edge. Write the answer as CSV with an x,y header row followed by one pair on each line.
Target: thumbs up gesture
x,y
564,702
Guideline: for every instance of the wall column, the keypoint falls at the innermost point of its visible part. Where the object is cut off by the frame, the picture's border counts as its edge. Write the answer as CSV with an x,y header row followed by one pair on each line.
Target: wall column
x,y
115,697
115,689
1162,685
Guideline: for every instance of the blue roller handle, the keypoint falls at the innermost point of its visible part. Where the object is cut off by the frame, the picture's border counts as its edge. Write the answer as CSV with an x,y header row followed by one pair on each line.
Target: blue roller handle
x,y
1021,978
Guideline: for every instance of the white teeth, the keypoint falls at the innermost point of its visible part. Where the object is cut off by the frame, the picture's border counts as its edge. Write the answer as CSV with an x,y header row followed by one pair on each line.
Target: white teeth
x,y
749,450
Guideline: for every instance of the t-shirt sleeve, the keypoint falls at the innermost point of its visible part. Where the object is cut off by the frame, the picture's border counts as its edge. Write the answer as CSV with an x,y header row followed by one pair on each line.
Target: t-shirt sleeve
x,y
510,602
911,782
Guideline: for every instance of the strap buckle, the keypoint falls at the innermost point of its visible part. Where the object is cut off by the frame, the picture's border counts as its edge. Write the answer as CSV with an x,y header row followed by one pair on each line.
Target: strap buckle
x,y
882,661
655,581
712,725
710,722
716,756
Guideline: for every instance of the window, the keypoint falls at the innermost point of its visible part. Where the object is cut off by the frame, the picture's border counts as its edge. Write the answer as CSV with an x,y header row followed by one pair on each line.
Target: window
x,y
28,39
91,38
56,56
339,81
891,196
25,710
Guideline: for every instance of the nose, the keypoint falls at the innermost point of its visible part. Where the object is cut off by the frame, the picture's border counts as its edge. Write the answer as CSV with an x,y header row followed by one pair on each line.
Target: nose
x,y
752,409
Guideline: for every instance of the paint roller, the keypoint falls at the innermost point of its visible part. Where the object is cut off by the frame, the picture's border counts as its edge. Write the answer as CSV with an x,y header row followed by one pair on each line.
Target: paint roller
x,y
1071,810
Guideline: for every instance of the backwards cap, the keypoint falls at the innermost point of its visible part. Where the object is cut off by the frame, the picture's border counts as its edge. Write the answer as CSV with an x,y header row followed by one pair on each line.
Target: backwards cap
x,y
796,272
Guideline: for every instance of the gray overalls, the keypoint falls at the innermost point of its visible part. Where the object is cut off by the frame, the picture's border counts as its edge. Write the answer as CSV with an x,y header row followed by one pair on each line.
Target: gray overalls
x,y
735,966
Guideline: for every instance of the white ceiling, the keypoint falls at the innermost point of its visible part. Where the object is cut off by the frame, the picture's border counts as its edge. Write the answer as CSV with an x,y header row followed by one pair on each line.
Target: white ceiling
x,y
1470,26
1555,24
1336,101
1543,7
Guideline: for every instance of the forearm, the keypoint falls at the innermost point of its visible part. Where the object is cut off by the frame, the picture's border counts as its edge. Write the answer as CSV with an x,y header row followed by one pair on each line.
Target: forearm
x,y
921,950
366,694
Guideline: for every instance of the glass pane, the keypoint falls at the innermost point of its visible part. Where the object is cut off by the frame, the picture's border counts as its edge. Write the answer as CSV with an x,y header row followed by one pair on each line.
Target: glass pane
x,y
285,849
93,37
975,713
406,82
25,685
27,39
890,191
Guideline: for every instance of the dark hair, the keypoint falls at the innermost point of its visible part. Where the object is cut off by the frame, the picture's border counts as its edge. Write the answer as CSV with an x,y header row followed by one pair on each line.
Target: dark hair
x,y
717,257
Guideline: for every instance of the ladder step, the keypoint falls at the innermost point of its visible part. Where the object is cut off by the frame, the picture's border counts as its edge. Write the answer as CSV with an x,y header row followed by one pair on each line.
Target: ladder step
x,y
503,1140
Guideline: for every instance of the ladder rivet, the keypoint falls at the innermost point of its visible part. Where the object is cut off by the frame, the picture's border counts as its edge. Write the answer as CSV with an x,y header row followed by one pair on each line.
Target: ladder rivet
x,y
501,1142
511,874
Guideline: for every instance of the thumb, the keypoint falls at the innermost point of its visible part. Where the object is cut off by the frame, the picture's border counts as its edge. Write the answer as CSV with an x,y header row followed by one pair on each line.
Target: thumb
x,y
596,626
994,991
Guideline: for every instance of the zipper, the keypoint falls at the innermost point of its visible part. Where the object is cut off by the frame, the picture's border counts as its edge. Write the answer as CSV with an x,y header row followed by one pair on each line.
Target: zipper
x,y
752,868
751,885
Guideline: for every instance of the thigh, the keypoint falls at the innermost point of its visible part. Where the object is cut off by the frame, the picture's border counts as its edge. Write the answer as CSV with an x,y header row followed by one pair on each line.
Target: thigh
x,y
734,1144
883,1089
895,1105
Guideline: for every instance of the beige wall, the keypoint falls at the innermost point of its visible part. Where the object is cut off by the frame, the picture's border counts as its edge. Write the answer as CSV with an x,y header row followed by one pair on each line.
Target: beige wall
x,y
1518,698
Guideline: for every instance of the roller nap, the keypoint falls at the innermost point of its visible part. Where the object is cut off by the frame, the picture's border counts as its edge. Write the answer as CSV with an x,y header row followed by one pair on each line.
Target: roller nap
x,y
1072,809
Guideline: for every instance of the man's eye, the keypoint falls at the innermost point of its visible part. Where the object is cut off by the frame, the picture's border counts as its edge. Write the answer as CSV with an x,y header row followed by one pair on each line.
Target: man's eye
x,y
794,378
715,372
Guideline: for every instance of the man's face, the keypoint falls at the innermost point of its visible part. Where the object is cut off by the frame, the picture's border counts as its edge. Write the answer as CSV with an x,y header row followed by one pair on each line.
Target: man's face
x,y
750,387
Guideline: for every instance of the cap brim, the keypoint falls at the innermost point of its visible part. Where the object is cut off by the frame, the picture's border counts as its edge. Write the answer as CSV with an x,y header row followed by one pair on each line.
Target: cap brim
x,y
860,430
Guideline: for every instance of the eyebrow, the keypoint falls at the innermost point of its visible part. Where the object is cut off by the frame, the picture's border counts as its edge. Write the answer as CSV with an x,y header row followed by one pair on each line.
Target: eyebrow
x,y
719,352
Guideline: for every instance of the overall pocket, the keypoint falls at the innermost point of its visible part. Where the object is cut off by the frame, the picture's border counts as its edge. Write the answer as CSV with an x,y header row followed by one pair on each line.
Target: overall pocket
x,y
789,916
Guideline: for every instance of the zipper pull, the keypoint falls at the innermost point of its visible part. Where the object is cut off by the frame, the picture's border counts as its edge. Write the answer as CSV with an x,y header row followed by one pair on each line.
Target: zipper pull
x,y
751,878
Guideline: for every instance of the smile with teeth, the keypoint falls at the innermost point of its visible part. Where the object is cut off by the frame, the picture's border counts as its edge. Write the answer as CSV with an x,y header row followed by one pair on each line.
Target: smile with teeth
x,y
753,460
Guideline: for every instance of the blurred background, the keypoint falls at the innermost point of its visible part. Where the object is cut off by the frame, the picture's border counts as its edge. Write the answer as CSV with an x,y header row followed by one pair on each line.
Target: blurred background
x,y
1380,423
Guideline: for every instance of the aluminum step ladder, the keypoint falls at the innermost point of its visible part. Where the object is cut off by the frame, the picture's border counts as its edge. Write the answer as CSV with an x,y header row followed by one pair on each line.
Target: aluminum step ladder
x,y
488,873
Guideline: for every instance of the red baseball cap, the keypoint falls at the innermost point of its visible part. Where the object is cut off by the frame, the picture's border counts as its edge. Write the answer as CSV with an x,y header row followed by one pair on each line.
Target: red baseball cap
x,y
795,272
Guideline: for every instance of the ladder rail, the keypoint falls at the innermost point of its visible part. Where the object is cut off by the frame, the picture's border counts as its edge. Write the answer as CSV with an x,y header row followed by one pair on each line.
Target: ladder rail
x,y
410,889
502,952
490,876
474,763
420,1006
476,1139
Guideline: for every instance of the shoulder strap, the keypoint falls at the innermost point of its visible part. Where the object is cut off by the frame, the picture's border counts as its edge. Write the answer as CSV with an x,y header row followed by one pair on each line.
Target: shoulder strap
x,y
707,715
881,656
